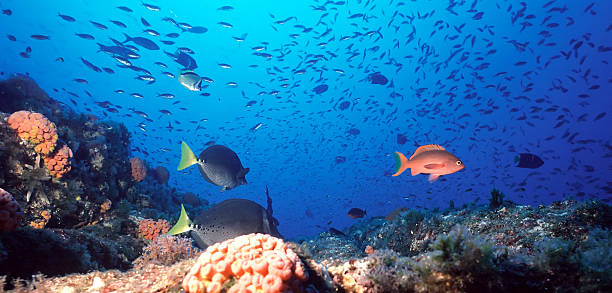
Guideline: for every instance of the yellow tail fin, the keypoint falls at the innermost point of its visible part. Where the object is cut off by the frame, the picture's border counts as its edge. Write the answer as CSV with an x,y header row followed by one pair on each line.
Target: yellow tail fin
x,y
187,157
401,163
182,225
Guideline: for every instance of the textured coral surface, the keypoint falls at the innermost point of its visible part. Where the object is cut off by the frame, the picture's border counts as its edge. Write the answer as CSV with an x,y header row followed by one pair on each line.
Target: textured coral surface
x,y
36,129
58,163
253,263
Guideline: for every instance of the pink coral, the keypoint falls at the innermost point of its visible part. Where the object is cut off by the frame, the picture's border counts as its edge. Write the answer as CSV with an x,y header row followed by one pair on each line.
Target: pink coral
x,y
256,262
36,129
139,170
150,229
10,212
58,163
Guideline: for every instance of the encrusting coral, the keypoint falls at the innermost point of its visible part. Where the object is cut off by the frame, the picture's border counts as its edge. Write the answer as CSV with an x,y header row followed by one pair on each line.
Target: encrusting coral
x,y
10,212
35,128
247,263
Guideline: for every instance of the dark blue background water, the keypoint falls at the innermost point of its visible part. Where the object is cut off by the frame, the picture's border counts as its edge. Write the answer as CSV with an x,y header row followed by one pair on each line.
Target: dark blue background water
x,y
485,79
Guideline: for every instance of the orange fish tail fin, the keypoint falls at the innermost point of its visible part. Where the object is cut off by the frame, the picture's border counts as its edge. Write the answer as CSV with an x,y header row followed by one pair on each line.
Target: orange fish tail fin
x,y
401,163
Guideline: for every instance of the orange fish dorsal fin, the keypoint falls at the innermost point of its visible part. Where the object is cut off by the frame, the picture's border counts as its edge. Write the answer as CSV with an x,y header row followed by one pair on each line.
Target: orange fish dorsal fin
x,y
427,148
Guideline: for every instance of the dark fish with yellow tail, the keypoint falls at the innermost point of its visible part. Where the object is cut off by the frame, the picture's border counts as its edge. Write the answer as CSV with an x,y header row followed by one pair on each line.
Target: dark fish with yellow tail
x,y
225,220
428,159
218,165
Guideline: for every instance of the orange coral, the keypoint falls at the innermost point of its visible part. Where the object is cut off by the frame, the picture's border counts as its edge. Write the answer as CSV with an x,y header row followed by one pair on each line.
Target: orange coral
x,y
58,163
150,229
256,262
39,224
139,170
10,212
36,129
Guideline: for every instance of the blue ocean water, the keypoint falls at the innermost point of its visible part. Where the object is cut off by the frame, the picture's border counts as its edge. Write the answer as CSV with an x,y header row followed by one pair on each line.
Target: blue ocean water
x,y
486,80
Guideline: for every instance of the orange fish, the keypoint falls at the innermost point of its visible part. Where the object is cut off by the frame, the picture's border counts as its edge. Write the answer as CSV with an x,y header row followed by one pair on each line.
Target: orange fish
x,y
429,159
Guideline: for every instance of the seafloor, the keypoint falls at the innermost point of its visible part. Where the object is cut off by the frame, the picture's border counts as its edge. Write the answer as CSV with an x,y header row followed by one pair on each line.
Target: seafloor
x,y
77,214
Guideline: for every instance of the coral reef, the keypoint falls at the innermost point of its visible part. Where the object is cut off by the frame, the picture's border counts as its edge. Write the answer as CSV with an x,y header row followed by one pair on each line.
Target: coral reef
x,y
139,170
62,251
253,262
10,212
150,229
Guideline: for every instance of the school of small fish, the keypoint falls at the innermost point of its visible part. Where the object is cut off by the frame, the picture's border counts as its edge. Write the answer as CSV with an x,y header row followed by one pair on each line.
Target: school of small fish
x,y
346,84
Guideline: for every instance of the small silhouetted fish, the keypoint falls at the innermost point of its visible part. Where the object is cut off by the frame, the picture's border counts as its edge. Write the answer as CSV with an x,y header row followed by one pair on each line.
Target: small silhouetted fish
x,y
225,8
98,25
172,35
143,42
7,12
85,36
126,9
401,139
344,105
119,23
11,37
354,131
66,17
151,7
39,37
356,213
320,89
530,161
183,59
377,78
144,22
340,159
197,30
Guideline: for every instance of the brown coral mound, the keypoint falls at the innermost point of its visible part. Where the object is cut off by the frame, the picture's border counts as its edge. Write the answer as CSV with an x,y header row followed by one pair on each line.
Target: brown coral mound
x,y
10,212
36,129
58,163
139,170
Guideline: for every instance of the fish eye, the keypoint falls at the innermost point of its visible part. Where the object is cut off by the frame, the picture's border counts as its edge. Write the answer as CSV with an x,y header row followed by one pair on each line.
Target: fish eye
x,y
459,163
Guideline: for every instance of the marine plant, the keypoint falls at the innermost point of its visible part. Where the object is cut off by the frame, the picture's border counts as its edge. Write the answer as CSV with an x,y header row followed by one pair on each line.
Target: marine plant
x,y
460,261
166,250
497,199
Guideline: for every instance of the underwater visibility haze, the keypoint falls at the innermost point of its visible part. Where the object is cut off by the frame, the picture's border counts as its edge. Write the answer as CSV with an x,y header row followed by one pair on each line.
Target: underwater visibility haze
x,y
325,113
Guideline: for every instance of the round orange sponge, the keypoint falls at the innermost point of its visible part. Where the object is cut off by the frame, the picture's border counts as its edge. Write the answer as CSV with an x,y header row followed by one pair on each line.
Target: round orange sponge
x,y
10,212
255,262
58,163
36,129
